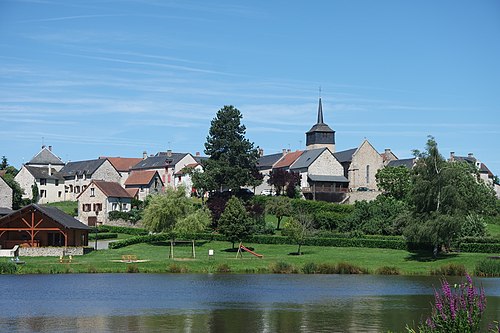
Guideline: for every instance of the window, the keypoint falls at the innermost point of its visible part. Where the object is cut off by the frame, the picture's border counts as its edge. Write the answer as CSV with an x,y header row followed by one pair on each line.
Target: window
x,y
114,206
71,189
124,207
77,189
142,188
43,193
66,189
57,182
86,207
367,174
92,192
43,181
59,194
97,207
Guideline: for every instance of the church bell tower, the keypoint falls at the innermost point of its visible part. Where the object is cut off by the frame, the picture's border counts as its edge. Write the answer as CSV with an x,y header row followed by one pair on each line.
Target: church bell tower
x,y
320,135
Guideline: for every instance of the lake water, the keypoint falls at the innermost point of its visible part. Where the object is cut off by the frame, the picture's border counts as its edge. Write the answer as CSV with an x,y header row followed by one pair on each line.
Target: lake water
x,y
219,302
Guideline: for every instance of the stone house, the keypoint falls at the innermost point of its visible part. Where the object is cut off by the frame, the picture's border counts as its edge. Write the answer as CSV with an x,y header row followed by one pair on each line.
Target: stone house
x,y
321,175
146,182
123,165
167,164
183,178
43,170
100,198
265,164
78,175
5,194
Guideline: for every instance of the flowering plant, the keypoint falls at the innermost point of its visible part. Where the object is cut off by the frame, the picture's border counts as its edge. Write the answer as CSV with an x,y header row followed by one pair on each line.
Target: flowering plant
x,y
456,309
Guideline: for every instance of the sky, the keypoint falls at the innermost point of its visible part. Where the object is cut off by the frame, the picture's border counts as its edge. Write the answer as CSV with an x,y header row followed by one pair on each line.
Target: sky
x,y
116,78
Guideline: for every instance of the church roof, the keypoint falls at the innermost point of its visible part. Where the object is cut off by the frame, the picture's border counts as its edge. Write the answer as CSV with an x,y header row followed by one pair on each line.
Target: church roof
x,y
320,126
307,158
45,157
345,155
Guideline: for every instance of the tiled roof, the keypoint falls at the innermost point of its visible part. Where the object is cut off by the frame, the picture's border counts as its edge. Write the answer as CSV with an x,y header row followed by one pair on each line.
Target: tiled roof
x,y
187,167
406,162
267,161
484,169
57,215
45,157
332,179
307,158
142,177
288,159
5,211
345,155
43,172
81,167
132,191
123,164
111,189
160,160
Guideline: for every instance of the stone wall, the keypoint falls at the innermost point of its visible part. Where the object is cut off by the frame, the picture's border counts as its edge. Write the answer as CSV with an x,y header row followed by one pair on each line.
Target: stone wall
x,y
366,161
360,196
51,251
123,223
5,195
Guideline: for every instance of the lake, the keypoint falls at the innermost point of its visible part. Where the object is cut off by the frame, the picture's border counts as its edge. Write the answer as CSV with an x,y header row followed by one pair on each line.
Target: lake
x,y
219,302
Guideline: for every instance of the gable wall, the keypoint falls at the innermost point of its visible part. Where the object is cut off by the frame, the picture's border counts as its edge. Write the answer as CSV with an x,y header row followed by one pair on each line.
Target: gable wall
x,y
5,194
365,156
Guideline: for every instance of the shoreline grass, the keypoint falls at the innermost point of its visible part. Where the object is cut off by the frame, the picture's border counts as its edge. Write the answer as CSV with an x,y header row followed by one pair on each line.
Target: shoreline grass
x,y
154,258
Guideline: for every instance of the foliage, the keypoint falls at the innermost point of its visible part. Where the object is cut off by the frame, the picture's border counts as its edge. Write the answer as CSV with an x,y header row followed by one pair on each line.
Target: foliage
x,y
164,210
4,163
383,216
388,270
118,215
123,230
103,235
455,309
35,193
234,222
473,226
298,228
450,270
284,181
7,267
17,191
488,267
280,207
394,181
194,223
232,158
282,267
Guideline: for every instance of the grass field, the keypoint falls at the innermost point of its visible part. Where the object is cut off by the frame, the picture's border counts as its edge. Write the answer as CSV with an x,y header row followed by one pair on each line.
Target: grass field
x,y
153,258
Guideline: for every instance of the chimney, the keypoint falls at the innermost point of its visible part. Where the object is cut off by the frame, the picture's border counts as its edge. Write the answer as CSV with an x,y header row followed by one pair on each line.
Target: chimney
x,y
169,153
261,152
43,146
197,154
144,155
50,148
470,155
50,169
284,151
288,150
387,151
452,156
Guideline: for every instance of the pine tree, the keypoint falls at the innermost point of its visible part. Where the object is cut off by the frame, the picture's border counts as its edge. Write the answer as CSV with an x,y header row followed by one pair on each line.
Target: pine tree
x,y
234,222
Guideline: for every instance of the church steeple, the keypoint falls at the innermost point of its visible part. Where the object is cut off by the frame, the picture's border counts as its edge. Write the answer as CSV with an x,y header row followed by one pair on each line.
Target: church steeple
x,y
320,135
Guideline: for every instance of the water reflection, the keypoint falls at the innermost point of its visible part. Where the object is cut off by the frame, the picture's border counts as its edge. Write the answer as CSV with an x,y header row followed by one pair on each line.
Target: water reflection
x,y
218,303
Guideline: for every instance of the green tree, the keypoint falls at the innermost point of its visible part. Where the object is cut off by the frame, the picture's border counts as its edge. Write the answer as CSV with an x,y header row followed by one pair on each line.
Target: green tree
x,y
4,163
232,158
17,191
196,222
279,207
298,229
394,181
164,210
34,193
285,182
235,223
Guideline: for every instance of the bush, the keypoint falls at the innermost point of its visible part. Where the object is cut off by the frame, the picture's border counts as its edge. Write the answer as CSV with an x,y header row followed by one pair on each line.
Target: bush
x,y
347,268
223,268
123,230
103,235
8,267
388,270
282,267
310,268
489,267
132,268
450,270
326,268
174,268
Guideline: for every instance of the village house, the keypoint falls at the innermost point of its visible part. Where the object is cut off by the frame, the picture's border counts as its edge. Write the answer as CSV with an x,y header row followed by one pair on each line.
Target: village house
x,y
142,183
42,231
183,178
78,175
100,198
265,165
42,170
123,165
167,164
5,195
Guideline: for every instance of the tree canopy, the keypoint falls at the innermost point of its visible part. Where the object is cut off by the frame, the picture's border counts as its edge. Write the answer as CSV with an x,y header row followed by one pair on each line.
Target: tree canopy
x,y
232,161
235,223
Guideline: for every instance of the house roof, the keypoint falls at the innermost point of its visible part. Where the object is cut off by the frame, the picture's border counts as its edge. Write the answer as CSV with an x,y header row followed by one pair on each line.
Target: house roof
x,y
345,155
188,166
307,158
267,161
81,167
288,159
406,162
331,179
57,215
5,211
484,169
110,189
45,157
160,160
133,191
43,172
123,164
142,177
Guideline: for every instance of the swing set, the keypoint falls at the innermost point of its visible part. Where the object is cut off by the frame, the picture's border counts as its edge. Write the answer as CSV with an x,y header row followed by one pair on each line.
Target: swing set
x,y
172,245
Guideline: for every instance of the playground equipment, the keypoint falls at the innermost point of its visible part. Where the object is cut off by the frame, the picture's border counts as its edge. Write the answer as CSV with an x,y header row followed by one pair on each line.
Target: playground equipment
x,y
172,244
242,248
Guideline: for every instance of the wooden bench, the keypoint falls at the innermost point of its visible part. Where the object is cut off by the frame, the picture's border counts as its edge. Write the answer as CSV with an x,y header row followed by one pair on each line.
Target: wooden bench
x,y
64,260
129,258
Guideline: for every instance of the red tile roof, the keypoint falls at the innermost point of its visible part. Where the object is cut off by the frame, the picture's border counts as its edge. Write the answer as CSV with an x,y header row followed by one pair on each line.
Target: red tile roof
x,y
132,191
111,189
123,164
141,177
287,160
183,170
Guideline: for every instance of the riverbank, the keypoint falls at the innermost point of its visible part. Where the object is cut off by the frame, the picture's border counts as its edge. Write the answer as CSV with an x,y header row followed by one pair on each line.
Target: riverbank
x,y
154,258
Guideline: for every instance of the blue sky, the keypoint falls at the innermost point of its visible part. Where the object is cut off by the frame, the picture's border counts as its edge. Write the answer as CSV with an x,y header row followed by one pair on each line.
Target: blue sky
x,y
114,78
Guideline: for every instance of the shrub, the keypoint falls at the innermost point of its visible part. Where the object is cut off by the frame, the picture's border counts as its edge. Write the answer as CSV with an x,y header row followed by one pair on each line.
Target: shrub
x,y
103,235
310,268
118,215
455,310
132,268
488,267
347,268
326,268
223,268
282,267
450,270
123,230
388,270
7,268
174,268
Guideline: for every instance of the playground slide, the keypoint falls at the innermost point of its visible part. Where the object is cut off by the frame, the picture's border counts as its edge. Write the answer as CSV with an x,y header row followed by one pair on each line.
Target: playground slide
x,y
250,251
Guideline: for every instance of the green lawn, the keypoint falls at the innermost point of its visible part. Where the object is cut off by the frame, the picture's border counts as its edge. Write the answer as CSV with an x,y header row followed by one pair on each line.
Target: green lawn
x,y
494,230
157,260
69,207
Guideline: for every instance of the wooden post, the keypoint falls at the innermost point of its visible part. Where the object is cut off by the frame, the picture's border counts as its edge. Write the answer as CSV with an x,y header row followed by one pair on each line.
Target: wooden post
x,y
171,256
239,251
194,251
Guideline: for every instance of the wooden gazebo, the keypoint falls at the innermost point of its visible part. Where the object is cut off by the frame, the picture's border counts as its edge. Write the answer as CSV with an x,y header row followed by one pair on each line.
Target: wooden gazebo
x,y
40,226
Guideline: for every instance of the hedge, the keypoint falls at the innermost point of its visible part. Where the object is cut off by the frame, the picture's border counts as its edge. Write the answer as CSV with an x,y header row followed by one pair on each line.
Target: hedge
x,y
103,235
480,247
123,230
